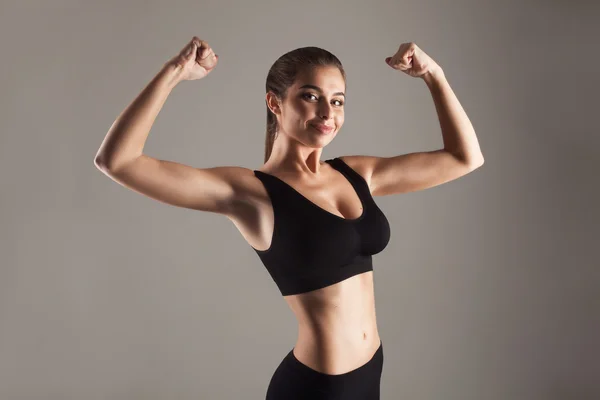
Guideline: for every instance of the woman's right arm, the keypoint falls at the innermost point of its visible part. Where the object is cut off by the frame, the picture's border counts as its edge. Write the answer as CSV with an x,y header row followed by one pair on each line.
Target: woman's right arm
x,y
121,156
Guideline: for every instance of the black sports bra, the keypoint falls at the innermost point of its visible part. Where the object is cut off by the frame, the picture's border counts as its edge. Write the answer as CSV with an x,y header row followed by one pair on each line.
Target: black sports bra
x,y
312,248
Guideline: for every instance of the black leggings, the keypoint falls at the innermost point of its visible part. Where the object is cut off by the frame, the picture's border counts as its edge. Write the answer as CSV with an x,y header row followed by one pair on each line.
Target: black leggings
x,y
293,380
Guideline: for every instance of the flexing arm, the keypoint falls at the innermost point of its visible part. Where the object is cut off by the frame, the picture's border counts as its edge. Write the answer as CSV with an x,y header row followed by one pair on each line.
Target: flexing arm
x,y
121,156
125,139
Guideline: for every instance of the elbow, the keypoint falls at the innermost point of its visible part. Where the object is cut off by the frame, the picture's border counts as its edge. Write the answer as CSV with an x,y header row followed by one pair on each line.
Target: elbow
x,y
480,159
103,163
108,164
471,161
100,162
476,162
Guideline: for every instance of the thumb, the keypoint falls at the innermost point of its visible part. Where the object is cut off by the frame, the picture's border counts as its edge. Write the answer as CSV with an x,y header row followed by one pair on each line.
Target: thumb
x,y
191,50
387,59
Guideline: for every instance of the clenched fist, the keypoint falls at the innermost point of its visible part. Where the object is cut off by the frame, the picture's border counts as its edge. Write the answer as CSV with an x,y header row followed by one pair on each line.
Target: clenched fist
x,y
197,59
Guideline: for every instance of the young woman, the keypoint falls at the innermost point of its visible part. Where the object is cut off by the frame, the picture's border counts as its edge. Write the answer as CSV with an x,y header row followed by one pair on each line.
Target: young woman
x,y
313,224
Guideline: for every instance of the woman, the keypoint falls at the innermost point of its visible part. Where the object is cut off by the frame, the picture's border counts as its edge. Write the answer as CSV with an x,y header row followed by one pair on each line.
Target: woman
x,y
313,224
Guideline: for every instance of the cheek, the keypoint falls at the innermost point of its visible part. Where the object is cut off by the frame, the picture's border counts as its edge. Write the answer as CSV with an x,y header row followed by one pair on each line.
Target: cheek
x,y
301,114
296,110
303,109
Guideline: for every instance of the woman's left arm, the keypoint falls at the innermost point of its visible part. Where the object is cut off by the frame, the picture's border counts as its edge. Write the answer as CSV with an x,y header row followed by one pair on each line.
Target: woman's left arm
x,y
457,131
422,170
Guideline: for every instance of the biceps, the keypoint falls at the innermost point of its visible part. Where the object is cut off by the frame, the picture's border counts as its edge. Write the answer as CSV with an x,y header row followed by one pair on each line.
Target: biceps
x,y
415,171
177,184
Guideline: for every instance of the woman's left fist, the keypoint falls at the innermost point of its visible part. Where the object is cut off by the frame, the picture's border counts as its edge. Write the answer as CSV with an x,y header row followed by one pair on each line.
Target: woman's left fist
x,y
411,60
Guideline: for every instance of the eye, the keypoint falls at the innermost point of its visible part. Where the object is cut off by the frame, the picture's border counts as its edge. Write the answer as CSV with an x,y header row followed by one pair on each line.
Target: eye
x,y
306,95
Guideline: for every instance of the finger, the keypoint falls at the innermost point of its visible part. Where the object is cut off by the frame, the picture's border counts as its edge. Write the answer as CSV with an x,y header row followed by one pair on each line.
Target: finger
x,y
392,60
202,53
403,59
198,41
201,46
397,63
209,52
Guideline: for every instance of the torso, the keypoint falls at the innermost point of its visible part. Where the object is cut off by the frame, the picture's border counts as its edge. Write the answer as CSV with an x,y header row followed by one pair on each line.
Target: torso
x,y
337,327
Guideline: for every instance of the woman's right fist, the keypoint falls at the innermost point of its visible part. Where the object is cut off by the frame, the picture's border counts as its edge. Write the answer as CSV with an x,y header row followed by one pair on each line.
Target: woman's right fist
x,y
196,59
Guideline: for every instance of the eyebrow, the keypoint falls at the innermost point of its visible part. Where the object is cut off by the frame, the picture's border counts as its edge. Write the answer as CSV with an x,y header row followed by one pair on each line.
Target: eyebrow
x,y
319,89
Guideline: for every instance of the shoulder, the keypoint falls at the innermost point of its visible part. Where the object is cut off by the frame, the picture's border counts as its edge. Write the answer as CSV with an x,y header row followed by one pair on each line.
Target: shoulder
x,y
361,164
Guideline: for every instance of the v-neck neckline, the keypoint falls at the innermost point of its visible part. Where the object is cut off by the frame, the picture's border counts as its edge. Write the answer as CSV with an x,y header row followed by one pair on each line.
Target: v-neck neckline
x,y
330,162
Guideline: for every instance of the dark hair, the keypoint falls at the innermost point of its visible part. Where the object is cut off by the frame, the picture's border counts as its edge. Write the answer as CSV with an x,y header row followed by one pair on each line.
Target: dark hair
x,y
282,75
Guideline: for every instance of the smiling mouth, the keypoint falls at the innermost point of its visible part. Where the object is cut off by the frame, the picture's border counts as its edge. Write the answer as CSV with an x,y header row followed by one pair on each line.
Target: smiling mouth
x,y
322,129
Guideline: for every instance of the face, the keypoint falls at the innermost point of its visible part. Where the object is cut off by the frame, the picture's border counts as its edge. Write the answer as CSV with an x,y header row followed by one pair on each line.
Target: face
x,y
317,97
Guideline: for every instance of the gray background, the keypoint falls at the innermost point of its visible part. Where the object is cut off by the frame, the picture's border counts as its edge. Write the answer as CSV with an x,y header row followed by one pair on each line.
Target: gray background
x,y
487,290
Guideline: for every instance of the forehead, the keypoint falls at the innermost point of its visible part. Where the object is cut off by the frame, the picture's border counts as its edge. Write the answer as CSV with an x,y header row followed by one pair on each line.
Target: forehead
x,y
329,79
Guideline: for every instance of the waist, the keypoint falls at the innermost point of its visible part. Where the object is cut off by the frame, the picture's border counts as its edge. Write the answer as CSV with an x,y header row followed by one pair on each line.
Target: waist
x,y
337,352
342,337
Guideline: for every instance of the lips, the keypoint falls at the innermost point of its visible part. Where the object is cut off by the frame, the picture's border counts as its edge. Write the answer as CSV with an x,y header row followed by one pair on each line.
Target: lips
x,y
323,128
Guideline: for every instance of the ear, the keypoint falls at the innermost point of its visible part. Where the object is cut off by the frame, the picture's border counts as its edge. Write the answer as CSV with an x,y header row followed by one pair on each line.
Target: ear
x,y
273,102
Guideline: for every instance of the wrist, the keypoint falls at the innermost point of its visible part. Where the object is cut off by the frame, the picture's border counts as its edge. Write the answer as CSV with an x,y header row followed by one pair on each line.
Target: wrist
x,y
433,76
171,73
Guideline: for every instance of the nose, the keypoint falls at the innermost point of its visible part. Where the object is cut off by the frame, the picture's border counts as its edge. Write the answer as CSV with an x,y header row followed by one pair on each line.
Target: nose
x,y
325,110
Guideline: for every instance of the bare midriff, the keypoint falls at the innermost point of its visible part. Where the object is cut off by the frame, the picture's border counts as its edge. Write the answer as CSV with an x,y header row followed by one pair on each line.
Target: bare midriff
x,y
337,325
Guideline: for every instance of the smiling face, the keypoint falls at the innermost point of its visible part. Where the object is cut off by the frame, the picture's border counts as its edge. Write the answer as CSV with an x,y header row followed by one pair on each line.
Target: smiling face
x,y
316,97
